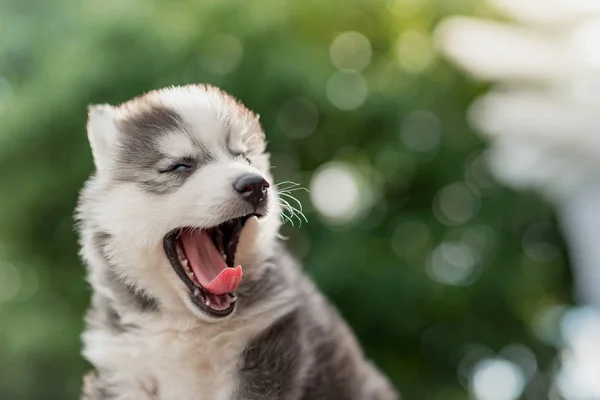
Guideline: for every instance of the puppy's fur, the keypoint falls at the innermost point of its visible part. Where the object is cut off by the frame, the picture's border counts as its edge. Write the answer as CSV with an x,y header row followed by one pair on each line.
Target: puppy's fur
x,y
144,337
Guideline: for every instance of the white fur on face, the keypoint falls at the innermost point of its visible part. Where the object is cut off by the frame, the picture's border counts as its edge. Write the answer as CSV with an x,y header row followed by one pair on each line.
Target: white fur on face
x,y
138,220
175,145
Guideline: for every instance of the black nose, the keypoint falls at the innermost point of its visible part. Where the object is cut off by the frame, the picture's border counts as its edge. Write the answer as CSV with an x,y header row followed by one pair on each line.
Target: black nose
x,y
252,187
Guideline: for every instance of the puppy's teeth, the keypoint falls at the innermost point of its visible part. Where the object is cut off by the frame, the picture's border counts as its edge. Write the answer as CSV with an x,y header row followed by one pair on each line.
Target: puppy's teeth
x,y
196,292
207,303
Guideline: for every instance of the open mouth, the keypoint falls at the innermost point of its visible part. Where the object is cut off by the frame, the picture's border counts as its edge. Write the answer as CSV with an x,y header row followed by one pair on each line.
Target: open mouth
x,y
204,261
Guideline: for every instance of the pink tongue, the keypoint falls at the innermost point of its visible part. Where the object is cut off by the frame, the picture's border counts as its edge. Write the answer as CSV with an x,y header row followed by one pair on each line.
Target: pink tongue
x,y
208,264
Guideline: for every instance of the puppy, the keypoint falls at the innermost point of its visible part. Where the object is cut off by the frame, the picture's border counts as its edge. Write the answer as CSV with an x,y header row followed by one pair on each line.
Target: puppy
x,y
194,297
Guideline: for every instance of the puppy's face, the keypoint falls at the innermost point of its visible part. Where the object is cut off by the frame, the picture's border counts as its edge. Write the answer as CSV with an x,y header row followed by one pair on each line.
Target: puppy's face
x,y
184,193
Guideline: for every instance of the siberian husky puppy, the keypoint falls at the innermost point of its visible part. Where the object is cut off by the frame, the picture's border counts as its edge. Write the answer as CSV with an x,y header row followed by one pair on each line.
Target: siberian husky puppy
x,y
194,297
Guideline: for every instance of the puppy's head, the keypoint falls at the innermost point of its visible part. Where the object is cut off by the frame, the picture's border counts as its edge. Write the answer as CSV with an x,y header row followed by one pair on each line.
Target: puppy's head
x,y
183,192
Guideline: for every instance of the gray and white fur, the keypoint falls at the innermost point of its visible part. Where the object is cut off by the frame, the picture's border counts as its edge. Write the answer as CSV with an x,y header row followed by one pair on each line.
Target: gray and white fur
x,y
143,335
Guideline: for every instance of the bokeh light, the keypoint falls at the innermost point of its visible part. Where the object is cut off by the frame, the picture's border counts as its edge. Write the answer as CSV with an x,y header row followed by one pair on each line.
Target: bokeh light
x,y
339,193
415,51
347,90
472,354
497,379
298,117
456,204
421,131
580,369
546,323
477,170
10,282
482,240
351,51
452,263
222,54
522,356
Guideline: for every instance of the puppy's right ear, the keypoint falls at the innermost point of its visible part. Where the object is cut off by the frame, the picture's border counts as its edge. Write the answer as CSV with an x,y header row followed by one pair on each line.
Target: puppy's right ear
x,y
102,134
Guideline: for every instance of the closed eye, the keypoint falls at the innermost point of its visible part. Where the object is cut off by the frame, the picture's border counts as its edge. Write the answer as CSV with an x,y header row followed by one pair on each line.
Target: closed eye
x,y
179,167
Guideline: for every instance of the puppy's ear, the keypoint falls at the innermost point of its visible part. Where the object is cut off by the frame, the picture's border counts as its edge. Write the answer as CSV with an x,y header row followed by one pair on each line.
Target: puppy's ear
x,y
102,134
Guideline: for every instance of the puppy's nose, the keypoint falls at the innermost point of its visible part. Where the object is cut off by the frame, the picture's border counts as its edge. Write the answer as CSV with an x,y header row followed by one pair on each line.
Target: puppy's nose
x,y
252,187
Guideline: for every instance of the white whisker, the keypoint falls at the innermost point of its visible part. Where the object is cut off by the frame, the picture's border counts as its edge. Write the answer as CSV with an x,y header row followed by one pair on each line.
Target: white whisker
x,y
294,211
293,198
285,189
286,217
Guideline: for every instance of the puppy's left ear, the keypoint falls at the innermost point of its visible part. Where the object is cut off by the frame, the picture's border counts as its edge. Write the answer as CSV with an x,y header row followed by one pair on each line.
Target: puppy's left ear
x,y
102,134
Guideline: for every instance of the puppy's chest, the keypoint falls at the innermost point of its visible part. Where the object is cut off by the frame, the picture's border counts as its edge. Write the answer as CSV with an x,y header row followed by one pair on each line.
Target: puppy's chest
x,y
174,366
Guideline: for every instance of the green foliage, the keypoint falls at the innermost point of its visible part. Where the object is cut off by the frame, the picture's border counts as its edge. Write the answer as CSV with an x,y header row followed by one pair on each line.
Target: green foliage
x,y
58,57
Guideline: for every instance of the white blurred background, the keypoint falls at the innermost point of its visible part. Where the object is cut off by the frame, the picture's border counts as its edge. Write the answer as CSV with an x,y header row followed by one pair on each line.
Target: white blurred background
x,y
541,119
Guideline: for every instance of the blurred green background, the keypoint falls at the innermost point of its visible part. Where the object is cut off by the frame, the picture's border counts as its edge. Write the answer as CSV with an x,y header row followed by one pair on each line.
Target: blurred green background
x,y
434,265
